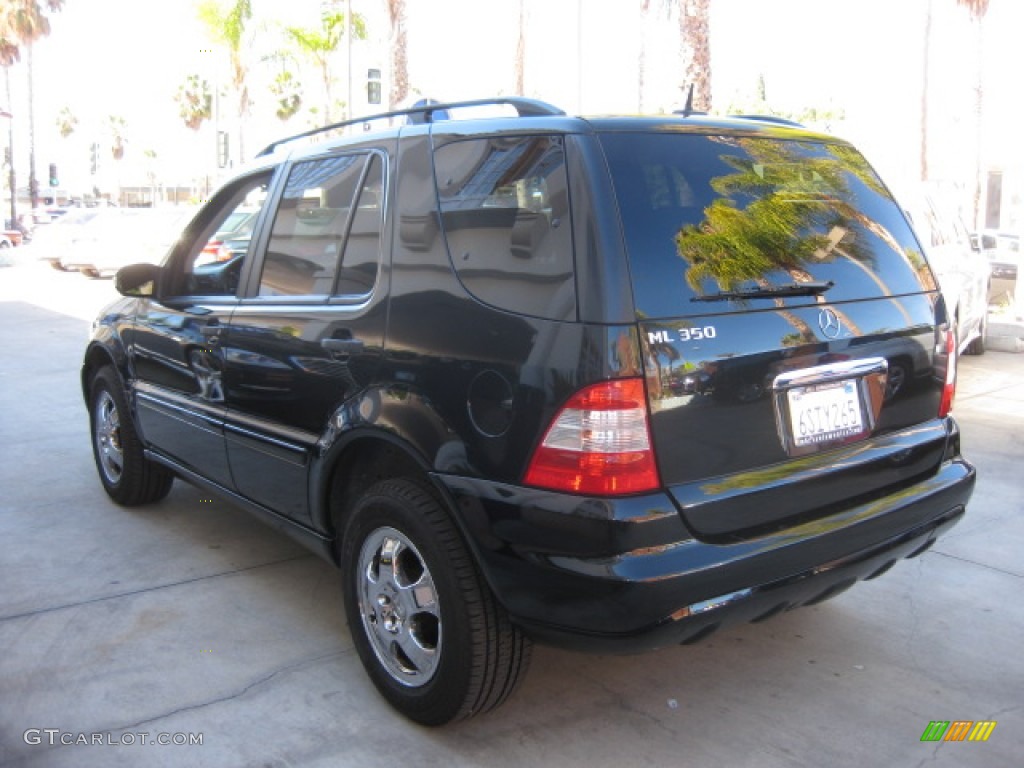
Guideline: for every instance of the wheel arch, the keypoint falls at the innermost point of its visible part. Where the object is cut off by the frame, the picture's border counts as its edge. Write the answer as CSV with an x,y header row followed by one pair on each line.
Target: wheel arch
x,y
353,465
97,356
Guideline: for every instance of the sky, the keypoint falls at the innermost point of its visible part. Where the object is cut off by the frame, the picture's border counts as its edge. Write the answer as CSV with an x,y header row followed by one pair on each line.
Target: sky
x,y
863,57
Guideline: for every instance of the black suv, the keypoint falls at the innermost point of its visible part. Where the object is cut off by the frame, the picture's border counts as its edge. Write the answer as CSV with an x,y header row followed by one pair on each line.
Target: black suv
x,y
606,382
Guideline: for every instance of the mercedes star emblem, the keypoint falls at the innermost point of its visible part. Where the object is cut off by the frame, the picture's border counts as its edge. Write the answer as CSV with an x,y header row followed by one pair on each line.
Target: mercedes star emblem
x,y
829,323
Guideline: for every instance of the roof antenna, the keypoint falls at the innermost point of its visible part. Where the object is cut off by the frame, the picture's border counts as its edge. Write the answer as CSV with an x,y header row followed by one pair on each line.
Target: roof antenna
x,y
688,108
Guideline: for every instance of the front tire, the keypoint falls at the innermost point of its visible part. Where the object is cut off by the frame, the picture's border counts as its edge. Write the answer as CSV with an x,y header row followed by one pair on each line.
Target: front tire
x,y
429,632
977,345
128,477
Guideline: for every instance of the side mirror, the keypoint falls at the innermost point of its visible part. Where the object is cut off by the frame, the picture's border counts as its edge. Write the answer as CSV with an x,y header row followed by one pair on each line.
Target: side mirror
x,y
137,280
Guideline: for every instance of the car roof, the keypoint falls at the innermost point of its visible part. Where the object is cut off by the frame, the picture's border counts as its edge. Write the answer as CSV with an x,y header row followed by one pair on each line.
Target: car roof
x,y
526,115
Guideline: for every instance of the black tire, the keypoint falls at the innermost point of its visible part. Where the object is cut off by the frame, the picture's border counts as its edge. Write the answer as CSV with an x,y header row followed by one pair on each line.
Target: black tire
x,y
128,477
466,657
977,345
896,380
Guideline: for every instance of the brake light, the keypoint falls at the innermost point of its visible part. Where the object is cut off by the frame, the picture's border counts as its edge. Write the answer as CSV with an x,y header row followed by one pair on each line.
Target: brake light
x,y
599,443
949,385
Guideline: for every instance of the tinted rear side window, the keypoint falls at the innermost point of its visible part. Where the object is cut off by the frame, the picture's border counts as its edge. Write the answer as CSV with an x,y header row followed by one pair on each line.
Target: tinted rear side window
x,y
705,215
505,215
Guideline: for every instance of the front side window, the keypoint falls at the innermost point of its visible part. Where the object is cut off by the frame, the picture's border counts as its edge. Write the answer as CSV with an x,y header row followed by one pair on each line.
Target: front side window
x,y
213,266
505,214
325,238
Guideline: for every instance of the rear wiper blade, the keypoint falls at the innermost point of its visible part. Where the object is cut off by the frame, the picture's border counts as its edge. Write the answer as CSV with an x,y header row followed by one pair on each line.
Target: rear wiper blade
x,y
770,292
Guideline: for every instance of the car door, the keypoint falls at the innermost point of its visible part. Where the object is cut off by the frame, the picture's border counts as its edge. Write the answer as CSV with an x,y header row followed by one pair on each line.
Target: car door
x,y
176,349
309,332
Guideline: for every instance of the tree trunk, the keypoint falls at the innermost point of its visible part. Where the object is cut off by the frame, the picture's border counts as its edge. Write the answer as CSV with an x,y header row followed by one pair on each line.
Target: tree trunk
x,y
13,178
924,88
641,66
520,86
694,38
399,60
979,73
243,113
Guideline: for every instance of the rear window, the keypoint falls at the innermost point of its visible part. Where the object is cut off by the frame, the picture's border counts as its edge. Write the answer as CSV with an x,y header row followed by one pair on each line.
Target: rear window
x,y
706,216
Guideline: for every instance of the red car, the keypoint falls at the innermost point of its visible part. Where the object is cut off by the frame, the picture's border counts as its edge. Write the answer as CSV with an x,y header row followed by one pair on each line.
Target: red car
x,y
9,237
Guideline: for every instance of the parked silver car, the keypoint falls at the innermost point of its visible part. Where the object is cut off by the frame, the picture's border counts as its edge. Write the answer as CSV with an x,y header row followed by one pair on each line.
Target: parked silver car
x,y
120,236
963,271
1002,249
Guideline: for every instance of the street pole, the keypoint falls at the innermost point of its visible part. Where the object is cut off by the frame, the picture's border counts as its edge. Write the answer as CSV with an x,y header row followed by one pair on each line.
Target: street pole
x,y
33,182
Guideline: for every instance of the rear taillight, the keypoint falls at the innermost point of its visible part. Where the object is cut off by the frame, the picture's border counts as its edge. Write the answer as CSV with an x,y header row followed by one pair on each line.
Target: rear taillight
x,y
948,352
599,443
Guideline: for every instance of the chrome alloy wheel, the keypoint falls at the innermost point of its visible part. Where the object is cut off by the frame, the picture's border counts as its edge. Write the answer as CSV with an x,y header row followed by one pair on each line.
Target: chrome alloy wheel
x,y
399,609
107,434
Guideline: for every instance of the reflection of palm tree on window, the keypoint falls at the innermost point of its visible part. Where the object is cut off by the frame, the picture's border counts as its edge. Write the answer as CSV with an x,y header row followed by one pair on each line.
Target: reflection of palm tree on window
x,y
797,200
799,214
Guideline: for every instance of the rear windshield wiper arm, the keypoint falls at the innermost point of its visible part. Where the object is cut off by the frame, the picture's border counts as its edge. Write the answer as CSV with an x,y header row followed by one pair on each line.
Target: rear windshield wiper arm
x,y
770,292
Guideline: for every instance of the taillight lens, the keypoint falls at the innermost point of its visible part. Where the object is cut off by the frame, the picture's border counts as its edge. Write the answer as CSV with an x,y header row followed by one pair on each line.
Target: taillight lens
x,y
949,385
599,443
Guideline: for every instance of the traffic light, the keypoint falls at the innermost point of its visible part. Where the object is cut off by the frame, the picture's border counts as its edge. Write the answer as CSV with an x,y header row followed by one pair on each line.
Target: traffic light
x,y
373,86
222,149
54,181
94,158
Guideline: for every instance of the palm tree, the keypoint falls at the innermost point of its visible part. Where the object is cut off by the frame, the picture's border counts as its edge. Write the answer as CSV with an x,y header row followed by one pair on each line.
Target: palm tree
x,y
520,85
226,25
320,43
195,102
22,22
694,47
399,56
288,90
664,7
66,122
117,126
694,39
976,9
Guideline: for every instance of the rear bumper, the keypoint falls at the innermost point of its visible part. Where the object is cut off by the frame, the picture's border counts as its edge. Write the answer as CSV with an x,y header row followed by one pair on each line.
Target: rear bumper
x,y
626,575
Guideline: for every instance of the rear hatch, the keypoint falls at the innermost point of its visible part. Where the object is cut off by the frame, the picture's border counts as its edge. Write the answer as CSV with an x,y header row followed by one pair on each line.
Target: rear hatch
x,y
790,326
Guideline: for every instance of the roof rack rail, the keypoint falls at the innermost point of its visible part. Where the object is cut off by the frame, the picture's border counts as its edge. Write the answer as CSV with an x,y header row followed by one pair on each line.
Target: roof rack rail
x,y
770,119
524,107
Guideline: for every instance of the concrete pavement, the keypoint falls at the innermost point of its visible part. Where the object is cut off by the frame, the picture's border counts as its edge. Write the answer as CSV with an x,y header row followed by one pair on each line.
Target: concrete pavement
x,y
191,621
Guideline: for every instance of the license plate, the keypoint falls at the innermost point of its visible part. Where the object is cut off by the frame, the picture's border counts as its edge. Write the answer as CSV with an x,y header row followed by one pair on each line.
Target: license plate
x,y
824,412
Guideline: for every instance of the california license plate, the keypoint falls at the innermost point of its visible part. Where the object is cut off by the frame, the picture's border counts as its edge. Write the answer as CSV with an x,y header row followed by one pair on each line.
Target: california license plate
x,y
823,413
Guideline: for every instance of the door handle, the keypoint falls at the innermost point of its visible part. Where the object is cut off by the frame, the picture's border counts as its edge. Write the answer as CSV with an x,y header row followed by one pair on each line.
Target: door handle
x,y
342,346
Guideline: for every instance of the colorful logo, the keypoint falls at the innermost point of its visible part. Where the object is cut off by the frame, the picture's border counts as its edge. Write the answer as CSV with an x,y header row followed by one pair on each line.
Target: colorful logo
x,y
958,730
